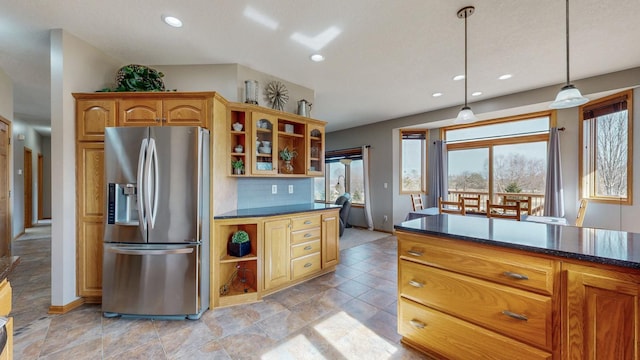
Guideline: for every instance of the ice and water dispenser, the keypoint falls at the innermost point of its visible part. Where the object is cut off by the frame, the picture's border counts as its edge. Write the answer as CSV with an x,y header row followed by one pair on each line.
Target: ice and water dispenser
x,y
123,204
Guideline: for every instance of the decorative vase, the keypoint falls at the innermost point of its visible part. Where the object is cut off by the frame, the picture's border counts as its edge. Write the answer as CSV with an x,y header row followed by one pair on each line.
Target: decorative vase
x,y
239,250
287,168
237,171
239,149
237,126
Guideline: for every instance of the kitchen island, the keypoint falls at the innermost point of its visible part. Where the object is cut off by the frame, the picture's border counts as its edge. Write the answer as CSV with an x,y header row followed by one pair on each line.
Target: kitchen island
x,y
289,244
472,287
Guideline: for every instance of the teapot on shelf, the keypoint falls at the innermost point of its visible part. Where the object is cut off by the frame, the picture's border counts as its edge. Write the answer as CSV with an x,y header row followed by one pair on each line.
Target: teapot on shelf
x,y
304,108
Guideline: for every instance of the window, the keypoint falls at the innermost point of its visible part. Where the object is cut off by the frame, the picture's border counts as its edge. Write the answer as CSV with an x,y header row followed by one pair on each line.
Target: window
x,y
499,159
413,161
344,172
606,135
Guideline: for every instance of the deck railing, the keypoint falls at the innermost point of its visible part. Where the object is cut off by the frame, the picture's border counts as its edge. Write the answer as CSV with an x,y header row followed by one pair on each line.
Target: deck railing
x,y
537,200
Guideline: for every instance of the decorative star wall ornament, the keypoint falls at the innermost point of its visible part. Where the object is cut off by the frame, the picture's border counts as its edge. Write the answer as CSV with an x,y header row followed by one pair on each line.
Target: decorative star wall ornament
x,y
277,94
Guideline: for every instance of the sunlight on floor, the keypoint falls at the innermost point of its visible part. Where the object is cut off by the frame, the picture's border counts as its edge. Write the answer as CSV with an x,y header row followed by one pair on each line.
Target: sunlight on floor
x,y
292,349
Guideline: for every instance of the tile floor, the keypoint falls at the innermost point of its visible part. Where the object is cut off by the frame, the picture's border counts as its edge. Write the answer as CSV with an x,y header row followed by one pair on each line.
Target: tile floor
x,y
349,314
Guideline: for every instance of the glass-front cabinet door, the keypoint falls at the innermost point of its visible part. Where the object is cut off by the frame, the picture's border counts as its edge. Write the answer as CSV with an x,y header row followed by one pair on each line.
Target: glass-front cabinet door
x,y
315,149
264,155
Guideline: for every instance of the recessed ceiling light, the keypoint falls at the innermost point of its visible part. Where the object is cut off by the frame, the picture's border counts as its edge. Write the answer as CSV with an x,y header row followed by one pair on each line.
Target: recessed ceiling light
x,y
436,94
172,21
505,76
477,93
458,77
317,57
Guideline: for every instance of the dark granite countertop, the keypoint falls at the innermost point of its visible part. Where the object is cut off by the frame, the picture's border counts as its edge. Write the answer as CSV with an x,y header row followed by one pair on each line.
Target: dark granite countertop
x,y
7,265
595,245
275,210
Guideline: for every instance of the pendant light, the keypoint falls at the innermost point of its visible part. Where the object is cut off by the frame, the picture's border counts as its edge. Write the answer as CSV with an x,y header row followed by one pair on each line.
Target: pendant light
x,y
465,116
569,96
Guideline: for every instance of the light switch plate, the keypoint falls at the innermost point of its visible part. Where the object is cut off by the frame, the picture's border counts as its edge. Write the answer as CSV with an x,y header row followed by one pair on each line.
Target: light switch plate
x,y
274,189
290,189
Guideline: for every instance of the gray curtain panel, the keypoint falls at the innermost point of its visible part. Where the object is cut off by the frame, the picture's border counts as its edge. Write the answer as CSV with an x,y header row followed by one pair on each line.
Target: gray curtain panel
x,y
438,185
554,192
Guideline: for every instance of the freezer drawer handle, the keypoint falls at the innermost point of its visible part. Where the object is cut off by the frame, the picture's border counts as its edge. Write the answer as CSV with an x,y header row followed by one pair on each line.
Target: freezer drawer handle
x,y
151,251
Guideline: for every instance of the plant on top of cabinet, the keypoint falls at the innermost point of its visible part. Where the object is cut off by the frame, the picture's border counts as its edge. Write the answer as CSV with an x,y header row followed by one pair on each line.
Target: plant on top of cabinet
x,y
240,244
134,77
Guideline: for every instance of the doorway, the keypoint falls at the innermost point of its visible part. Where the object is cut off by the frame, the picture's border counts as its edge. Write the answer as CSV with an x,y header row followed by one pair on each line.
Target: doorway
x,y
5,228
40,185
28,188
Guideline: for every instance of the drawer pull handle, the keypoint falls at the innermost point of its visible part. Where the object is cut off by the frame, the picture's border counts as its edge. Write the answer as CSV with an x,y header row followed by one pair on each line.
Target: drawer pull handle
x,y
308,247
414,253
417,324
307,222
515,275
416,284
307,235
514,315
307,265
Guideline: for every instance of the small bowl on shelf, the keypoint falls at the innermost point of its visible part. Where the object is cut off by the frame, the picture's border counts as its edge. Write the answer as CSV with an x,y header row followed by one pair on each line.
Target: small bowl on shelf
x,y
238,149
265,149
237,126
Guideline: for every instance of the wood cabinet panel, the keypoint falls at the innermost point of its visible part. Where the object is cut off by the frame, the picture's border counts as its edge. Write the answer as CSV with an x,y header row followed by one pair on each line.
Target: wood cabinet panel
x,y
140,112
90,248
452,338
305,265
305,249
306,222
185,112
301,236
5,308
276,253
92,117
600,313
330,240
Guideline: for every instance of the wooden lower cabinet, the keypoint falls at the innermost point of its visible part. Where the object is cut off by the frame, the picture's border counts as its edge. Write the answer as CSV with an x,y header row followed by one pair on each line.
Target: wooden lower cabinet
x,y
465,300
289,249
600,313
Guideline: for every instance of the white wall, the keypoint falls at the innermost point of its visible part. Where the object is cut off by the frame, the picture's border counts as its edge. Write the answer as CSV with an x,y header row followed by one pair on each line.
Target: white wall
x,y
76,66
382,137
32,140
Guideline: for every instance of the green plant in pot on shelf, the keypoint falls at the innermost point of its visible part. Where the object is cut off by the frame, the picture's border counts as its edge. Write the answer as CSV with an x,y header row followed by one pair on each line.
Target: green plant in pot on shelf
x,y
240,244
287,155
238,166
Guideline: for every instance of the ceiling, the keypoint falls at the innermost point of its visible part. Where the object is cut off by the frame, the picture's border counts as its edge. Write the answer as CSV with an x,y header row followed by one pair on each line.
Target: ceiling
x,y
385,60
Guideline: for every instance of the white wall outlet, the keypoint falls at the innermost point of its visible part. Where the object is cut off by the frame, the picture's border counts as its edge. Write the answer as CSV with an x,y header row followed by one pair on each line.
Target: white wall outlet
x,y
385,218
386,185
274,189
290,189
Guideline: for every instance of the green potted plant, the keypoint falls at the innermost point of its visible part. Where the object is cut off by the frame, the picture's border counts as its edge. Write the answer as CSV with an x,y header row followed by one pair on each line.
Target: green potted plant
x,y
287,155
238,166
240,244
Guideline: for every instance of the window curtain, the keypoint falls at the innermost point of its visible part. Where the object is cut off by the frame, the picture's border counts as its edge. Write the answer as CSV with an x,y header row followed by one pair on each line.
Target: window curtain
x,y
554,192
438,185
367,187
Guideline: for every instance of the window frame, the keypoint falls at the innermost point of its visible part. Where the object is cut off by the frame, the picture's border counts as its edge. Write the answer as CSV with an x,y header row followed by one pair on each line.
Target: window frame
x,y
489,144
335,156
588,191
424,162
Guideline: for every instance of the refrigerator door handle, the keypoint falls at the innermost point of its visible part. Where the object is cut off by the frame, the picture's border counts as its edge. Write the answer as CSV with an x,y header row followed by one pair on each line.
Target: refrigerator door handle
x,y
152,161
140,251
141,160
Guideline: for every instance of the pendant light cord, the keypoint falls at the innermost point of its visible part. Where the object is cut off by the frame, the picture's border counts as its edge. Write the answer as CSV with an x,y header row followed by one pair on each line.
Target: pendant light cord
x,y
567,37
465,59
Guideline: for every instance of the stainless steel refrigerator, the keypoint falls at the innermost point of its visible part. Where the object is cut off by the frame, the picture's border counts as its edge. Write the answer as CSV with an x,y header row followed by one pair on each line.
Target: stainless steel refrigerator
x,y
156,232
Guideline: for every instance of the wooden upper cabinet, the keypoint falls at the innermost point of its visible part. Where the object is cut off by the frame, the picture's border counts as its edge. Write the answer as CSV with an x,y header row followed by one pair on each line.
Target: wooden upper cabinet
x,y
315,149
92,117
140,112
185,112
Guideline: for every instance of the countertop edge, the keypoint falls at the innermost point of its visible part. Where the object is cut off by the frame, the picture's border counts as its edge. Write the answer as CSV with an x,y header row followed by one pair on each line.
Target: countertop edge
x,y
273,211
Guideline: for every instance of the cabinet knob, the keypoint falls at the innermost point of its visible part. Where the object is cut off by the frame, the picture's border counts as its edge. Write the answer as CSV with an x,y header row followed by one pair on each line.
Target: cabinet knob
x,y
417,324
515,275
416,284
307,265
514,315
307,235
307,222
414,252
308,247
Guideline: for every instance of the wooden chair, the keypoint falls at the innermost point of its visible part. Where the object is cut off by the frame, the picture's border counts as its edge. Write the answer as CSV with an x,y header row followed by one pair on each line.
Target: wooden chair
x,y
525,202
504,211
470,202
416,202
451,207
582,210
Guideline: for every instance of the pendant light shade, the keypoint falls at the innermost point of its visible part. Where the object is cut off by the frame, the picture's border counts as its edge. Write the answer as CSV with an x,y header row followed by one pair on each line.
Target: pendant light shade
x,y
465,116
569,96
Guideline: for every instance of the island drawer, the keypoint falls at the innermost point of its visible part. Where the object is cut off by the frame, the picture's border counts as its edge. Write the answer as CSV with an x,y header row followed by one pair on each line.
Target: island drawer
x,y
301,236
498,265
517,313
305,249
452,338
306,222
305,265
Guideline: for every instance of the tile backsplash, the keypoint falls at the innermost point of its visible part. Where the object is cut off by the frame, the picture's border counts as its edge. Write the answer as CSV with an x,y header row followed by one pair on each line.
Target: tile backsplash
x,y
254,193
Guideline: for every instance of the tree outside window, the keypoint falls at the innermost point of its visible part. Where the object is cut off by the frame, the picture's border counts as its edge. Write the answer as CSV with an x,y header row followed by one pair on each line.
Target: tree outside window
x,y
413,161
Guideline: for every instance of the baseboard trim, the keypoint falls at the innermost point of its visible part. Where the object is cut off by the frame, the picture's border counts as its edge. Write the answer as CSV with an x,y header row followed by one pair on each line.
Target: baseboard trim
x,y
59,310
